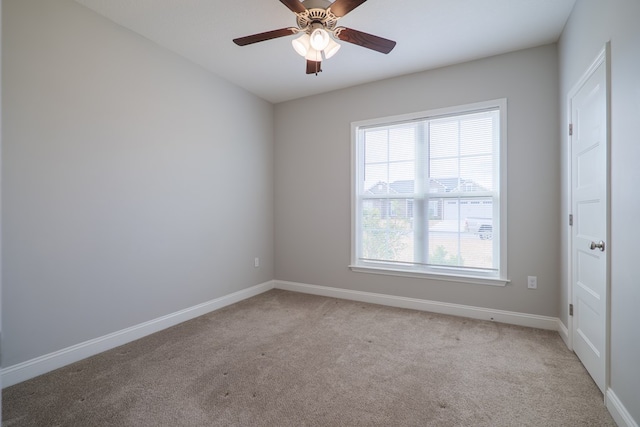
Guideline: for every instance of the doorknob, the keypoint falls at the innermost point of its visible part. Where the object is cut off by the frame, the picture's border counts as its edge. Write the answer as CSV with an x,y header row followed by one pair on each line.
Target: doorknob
x,y
599,245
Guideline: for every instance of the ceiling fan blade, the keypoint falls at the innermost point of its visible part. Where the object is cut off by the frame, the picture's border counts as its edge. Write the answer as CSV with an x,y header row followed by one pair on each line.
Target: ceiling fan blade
x,y
314,67
342,7
365,40
294,5
255,38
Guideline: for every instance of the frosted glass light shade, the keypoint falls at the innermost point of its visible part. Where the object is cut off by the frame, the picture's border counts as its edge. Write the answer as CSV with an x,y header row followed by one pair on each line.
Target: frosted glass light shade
x,y
301,44
319,39
314,55
331,49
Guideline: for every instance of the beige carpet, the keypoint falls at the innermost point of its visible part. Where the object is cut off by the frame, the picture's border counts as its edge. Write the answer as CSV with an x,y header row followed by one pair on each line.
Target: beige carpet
x,y
289,359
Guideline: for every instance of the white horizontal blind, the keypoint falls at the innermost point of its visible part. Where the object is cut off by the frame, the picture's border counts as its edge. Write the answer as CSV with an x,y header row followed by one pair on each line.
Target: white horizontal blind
x,y
427,193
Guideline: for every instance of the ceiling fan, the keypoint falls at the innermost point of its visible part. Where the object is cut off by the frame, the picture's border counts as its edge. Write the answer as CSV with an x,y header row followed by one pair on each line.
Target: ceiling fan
x,y
317,20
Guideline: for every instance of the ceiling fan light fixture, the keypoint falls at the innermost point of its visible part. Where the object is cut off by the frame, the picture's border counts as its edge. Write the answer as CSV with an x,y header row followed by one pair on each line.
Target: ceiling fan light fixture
x,y
319,39
331,49
317,32
314,55
302,44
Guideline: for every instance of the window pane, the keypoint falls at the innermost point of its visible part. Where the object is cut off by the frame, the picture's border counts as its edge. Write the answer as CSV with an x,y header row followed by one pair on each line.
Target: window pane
x,y
401,171
402,143
444,168
429,193
387,230
376,146
444,241
477,251
477,133
376,179
477,173
444,250
462,234
477,237
443,138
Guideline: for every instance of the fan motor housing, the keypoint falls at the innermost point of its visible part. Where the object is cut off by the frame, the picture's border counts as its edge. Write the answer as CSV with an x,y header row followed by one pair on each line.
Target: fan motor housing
x,y
316,4
316,13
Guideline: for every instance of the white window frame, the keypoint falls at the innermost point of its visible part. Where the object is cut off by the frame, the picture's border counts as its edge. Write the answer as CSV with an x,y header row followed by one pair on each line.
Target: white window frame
x,y
464,275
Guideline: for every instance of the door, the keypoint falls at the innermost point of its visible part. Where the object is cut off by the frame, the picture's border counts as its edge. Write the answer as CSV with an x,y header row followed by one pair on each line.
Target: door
x,y
589,204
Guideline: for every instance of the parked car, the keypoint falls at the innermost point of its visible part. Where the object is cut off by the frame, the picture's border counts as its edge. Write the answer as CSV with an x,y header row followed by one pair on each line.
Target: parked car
x,y
483,227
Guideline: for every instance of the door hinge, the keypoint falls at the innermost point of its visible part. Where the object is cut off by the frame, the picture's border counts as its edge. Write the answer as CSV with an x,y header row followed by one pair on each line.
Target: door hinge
x,y
570,129
570,309
571,220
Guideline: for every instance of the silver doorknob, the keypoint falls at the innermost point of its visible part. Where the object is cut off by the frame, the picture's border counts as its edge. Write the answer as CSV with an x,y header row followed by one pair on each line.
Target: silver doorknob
x,y
599,245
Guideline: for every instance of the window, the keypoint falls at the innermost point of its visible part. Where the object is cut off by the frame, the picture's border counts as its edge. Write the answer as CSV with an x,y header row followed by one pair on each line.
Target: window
x,y
429,194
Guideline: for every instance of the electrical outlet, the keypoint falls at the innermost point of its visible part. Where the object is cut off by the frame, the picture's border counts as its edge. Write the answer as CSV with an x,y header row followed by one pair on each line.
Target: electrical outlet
x,y
256,262
532,282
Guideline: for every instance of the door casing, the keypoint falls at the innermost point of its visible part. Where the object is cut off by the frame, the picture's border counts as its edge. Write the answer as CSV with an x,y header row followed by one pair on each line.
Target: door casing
x,y
602,58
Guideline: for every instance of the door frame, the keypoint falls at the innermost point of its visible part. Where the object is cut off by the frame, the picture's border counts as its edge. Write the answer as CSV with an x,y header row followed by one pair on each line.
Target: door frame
x,y
603,57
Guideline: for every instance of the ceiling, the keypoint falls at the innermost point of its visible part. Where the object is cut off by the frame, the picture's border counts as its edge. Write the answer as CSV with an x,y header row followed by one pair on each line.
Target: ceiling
x,y
429,33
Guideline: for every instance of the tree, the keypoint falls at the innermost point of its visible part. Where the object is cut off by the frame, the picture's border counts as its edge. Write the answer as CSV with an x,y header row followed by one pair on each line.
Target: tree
x,y
439,257
383,238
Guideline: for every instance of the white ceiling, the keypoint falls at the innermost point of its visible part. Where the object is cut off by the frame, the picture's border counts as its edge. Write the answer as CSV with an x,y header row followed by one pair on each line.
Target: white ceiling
x,y
429,33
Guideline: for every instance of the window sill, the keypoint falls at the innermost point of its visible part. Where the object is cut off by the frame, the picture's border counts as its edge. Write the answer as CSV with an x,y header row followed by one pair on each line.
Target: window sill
x,y
476,280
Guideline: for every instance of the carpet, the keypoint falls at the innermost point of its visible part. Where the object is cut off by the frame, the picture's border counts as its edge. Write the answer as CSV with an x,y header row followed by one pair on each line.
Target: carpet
x,y
290,359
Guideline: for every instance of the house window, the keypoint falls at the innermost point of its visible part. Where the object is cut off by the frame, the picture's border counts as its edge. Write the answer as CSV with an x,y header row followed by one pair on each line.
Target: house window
x,y
429,194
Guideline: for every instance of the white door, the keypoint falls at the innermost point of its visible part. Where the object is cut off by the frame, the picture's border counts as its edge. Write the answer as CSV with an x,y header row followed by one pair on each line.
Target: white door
x,y
589,182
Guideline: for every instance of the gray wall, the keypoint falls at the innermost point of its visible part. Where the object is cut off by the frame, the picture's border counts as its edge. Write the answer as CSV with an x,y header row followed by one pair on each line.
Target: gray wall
x,y
134,183
313,178
591,25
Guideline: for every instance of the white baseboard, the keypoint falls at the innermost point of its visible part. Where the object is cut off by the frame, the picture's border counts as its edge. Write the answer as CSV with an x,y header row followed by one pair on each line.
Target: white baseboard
x,y
620,415
521,319
26,370
43,364
40,365
613,404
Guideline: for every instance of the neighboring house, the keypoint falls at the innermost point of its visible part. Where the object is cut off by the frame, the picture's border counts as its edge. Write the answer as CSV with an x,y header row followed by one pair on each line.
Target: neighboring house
x,y
439,208
391,208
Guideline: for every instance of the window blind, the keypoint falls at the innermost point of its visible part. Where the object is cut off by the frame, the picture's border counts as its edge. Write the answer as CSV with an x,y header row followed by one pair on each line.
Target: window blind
x,y
428,192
